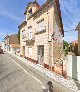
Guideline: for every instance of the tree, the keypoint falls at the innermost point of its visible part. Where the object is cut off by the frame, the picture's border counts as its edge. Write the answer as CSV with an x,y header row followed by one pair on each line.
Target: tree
x,y
19,35
65,47
65,44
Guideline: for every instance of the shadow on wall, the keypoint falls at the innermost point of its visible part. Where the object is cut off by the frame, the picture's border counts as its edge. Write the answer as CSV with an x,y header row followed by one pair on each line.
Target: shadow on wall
x,y
74,67
1,51
75,71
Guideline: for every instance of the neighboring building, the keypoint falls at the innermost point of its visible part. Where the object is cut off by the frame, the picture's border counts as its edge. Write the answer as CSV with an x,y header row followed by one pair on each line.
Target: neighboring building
x,y
73,48
6,42
41,34
11,43
0,45
14,48
78,28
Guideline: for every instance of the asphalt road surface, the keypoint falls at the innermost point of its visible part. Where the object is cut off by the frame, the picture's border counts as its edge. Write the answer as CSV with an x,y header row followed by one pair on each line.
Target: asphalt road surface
x,y
17,77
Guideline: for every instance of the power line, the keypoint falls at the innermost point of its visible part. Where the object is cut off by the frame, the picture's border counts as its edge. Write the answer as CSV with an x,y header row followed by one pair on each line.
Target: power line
x,y
71,30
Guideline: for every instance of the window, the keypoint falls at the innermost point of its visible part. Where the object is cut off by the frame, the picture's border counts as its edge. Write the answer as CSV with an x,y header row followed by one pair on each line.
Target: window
x,y
41,25
30,51
23,34
30,12
30,34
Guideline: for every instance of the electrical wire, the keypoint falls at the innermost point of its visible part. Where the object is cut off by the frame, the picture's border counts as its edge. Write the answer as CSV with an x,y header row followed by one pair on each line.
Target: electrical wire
x,y
73,30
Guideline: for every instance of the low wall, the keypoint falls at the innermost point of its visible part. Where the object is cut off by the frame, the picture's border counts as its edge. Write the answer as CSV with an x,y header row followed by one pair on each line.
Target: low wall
x,y
73,67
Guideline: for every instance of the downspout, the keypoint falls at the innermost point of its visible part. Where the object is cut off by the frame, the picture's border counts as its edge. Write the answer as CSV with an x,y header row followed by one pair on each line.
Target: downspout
x,y
49,43
52,37
48,24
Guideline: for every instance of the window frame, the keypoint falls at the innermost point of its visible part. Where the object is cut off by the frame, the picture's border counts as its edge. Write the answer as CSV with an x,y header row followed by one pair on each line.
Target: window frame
x,y
29,52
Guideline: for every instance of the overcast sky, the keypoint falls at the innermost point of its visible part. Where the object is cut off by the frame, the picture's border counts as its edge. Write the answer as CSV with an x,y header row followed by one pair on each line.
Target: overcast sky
x,y
12,14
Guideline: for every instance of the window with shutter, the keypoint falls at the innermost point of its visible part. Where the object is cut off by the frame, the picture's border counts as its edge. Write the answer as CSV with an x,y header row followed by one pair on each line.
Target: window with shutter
x,y
41,26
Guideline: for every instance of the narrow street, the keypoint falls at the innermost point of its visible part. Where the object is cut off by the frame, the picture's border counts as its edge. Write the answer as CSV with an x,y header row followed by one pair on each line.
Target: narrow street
x,y
17,77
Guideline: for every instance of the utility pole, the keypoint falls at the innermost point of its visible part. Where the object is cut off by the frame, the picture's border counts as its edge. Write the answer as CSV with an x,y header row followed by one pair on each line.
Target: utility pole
x,y
35,0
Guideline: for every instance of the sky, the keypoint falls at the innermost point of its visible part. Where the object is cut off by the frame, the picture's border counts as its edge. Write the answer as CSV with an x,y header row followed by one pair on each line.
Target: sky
x,y
12,15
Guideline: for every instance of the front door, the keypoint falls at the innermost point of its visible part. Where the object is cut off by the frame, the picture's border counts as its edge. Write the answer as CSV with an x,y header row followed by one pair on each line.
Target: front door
x,y
41,55
23,51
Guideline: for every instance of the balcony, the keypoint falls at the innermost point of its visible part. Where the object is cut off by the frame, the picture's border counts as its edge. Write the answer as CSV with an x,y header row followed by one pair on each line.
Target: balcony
x,y
30,37
41,30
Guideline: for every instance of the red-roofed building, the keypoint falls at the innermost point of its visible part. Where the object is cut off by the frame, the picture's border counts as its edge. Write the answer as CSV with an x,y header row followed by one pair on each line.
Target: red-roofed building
x,y
73,47
75,42
11,43
14,48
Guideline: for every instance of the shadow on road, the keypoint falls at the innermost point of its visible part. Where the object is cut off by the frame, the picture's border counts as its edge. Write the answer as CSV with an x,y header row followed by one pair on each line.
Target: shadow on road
x,y
2,53
75,71
77,83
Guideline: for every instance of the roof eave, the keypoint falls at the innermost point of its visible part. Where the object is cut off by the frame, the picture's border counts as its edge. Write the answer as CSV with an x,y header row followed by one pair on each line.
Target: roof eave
x,y
23,23
59,16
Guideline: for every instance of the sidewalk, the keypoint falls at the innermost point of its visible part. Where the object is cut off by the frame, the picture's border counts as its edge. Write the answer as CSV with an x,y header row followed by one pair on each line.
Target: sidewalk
x,y
68,83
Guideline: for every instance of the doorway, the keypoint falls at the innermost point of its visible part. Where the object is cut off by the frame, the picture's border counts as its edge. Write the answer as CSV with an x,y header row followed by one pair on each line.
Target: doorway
x,y
41,54
23,51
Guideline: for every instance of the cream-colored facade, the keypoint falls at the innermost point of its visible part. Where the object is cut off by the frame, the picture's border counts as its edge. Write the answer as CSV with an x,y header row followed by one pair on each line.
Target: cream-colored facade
x,y
41,36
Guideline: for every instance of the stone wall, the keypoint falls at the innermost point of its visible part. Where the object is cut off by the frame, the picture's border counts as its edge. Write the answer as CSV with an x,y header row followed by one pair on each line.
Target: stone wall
x,y
57,44
52,47
22,43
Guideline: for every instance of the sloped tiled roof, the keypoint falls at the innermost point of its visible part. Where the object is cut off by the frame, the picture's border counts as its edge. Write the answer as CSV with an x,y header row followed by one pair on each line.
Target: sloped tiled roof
x,y
75,42
13,39
22,24
15,45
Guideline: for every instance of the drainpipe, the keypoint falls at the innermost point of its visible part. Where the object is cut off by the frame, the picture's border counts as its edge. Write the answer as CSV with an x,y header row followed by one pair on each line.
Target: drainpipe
x,y
62,67
49,45
53,40
50,61
48,24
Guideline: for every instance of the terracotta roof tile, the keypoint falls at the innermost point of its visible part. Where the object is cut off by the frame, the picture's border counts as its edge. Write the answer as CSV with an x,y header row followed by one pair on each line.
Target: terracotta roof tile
x,y
75,42
15,46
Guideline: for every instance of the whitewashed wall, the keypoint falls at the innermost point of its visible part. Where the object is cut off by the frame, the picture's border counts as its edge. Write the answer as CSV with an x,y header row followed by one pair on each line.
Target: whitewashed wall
x,y
78,67
73,66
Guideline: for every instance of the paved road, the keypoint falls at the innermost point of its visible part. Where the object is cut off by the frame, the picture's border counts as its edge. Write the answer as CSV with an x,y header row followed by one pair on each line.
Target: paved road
x,y
17,77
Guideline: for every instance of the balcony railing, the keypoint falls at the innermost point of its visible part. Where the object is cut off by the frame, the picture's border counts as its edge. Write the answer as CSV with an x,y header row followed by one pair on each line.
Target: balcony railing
x,y
30,37
41,29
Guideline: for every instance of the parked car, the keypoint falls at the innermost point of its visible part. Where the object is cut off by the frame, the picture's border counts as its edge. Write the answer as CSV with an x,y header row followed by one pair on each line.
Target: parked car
x,y
1,51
